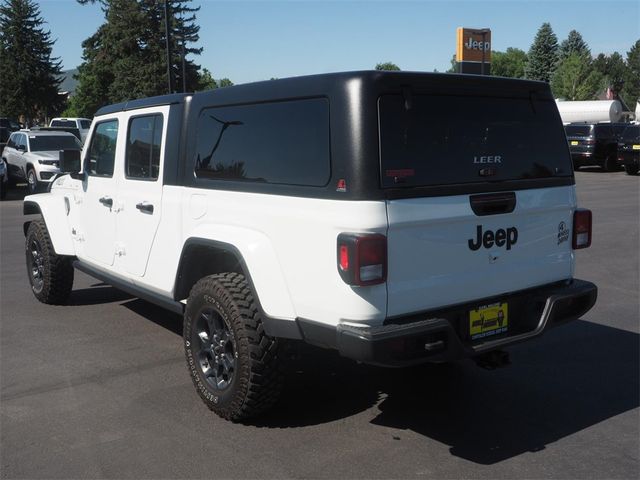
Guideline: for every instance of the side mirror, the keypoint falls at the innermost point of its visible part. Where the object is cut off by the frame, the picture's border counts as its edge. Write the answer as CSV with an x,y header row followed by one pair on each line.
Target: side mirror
x,y
70,162
22,148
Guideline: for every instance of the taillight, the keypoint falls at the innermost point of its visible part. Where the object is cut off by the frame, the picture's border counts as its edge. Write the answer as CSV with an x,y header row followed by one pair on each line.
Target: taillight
x,y
581,228
362,258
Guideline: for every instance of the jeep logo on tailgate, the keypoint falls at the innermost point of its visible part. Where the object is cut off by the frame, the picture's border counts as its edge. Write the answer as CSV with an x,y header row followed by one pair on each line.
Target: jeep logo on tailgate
x,y
500,238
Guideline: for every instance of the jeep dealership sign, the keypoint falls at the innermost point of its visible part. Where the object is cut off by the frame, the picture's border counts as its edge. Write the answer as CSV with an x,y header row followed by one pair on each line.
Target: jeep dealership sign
x,y
473,50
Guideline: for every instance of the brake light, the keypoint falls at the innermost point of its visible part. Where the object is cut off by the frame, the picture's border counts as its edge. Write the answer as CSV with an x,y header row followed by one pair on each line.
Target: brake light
x,y
362,258
581,228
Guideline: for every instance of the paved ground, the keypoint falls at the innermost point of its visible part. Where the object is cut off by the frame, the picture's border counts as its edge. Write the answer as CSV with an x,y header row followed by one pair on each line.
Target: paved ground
x,y
99,388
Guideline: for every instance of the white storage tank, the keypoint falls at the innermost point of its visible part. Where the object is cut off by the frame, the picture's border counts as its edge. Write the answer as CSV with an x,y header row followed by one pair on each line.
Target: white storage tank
x,y
592,111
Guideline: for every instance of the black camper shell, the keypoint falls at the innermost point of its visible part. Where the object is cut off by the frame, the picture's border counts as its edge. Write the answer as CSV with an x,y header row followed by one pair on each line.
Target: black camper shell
x,y
363,158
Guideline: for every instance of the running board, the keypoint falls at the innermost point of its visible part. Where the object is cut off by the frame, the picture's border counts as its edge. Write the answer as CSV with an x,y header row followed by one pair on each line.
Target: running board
x,y
153,297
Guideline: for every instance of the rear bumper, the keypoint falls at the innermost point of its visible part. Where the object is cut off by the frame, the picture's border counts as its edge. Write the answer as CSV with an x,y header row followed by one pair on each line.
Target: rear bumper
x,y
584,158
442,337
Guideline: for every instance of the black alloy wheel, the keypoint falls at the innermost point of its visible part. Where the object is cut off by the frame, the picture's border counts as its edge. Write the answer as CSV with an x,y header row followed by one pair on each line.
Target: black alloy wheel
x,y
214,348
35,265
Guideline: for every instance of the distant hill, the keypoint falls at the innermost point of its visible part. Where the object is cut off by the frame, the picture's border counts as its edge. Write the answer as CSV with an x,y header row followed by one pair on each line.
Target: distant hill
x,y
69,83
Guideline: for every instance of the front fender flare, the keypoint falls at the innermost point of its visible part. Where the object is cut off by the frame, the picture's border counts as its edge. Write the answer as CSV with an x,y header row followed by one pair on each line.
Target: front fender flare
x,y
54,213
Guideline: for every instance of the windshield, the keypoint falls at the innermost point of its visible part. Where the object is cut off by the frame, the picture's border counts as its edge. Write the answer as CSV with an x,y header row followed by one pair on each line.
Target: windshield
x,y
578,131
42,143
444,140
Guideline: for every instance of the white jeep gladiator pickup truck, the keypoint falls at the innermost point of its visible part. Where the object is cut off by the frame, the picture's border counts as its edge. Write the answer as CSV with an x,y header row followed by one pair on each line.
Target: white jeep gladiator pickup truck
x,y
396,217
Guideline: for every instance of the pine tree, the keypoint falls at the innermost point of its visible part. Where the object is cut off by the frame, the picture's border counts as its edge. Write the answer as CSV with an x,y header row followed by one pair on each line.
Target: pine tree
x,y
29,84
543,55
574,43
126,58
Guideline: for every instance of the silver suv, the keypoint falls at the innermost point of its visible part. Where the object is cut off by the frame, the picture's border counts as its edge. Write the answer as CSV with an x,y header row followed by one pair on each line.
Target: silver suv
x,y
34,156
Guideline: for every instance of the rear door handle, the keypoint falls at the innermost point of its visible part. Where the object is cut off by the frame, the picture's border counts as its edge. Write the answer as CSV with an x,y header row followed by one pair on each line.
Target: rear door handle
x,y
106,201
145,207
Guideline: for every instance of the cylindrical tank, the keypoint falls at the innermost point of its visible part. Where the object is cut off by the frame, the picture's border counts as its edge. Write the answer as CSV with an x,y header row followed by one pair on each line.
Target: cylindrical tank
x,y
590,111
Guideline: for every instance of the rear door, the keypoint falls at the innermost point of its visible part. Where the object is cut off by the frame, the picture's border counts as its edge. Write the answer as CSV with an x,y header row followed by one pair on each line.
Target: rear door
x,y
140,188
481,198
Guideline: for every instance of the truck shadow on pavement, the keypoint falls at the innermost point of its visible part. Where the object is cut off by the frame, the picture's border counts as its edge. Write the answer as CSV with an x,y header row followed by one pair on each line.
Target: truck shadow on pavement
x,y
576,376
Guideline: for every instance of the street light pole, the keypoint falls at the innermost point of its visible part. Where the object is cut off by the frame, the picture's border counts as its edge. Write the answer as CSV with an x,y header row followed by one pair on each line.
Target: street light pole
x,y
483,32
184,64
168,44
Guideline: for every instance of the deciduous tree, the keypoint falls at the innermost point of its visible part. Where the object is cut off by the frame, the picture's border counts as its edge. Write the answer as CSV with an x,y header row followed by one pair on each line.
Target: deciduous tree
x,y
389,66
632,77
511,63
576,79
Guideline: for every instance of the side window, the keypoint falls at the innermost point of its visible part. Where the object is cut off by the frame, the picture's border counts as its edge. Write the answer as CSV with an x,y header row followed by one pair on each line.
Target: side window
x,y
102,152
144,139
282,142
22,141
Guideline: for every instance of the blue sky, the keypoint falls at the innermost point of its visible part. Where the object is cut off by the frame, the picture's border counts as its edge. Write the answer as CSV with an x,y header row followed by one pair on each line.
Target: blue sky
x,y
256,40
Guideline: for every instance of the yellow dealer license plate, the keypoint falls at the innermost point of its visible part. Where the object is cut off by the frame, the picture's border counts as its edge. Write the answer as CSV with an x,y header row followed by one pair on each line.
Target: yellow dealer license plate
x,y
574,142
488,320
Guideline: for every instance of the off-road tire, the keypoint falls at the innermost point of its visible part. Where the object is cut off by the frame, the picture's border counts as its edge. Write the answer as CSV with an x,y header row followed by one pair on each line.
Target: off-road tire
x,y
258,374
631,169
54,279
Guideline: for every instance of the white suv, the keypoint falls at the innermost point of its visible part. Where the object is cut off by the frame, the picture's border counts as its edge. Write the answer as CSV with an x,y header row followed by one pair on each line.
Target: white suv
x,y
357,211
32,156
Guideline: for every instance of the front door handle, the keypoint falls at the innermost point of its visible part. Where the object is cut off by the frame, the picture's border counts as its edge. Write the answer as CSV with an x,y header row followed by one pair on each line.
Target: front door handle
x,y
145,207
106,201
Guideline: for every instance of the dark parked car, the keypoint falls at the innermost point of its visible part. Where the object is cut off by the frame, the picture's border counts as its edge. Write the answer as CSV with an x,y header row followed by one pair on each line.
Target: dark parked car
x,y
629,149
7,126
594,144
12,125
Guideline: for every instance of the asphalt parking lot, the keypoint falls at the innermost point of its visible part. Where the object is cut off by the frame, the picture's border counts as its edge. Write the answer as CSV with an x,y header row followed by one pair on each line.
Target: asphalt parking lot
x,y
99,388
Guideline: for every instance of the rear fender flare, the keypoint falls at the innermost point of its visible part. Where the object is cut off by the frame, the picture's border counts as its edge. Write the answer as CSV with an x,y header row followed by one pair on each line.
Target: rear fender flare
x,y
259,263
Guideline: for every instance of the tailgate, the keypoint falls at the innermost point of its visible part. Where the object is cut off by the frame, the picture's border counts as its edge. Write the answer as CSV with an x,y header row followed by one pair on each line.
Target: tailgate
x,y
442,253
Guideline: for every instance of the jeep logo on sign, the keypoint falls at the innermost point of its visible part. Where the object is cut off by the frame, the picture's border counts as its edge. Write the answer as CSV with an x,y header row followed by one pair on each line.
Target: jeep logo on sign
x,y
499,238
472,44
